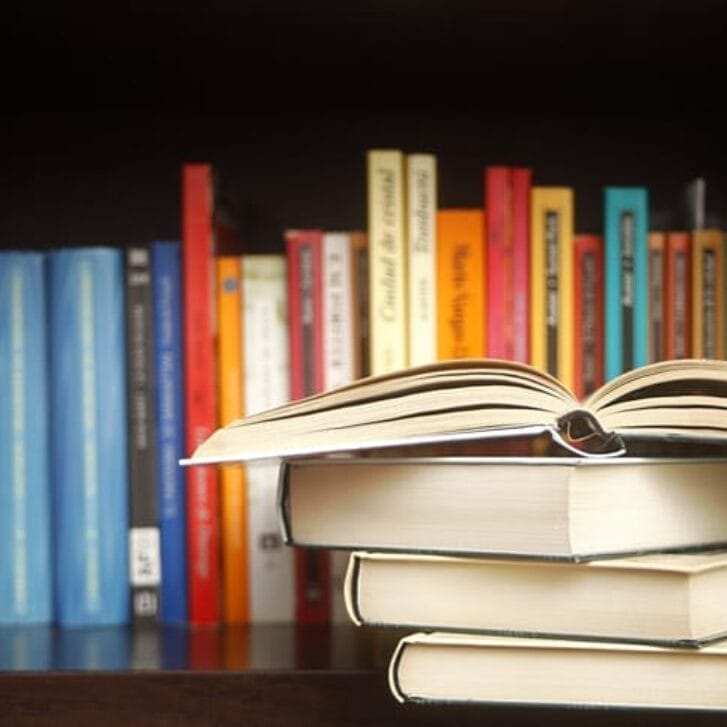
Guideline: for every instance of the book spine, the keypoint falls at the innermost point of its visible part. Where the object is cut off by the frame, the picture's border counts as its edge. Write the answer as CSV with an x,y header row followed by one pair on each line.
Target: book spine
x,y
677,296
144,545
707,294
233,498
499,262
26,580
266,363
626,218
360,288
521,188
200,391
304,249
421,228
551,302
387,261
88,436
656,242
588,312
167,307
460,283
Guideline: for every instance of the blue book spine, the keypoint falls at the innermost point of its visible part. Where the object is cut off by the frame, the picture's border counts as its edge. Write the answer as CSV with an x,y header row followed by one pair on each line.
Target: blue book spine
x,y
89,435
26,576
626,216
167,306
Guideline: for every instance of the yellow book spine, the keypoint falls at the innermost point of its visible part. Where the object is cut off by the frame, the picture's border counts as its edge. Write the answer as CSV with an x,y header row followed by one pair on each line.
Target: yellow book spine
x,y
551,281
708,294
387,261
233,498
460,283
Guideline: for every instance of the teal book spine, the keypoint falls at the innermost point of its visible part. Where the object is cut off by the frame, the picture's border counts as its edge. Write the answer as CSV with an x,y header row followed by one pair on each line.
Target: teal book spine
x,y
26,588
626,222
89,435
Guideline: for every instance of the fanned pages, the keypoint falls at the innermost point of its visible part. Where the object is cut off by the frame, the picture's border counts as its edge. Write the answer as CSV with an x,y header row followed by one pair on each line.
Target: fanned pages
x,y
478,399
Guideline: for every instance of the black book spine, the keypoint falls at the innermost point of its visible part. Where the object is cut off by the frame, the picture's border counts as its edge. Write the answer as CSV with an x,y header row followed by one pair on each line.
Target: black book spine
x,y
144,542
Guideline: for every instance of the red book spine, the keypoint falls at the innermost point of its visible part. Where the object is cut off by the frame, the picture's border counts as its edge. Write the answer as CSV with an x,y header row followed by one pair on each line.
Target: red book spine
x,y
199,388
304,249
588,314
520,226
498,263
677,295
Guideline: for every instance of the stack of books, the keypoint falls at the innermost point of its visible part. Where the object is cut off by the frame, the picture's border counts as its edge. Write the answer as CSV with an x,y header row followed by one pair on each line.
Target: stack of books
x,y
547,550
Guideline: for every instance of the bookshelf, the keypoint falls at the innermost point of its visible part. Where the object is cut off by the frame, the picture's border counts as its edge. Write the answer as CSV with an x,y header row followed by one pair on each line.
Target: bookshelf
x,y
253,91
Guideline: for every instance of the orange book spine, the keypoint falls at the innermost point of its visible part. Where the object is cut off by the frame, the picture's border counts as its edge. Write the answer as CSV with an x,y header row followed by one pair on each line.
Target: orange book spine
x,y
656,242
233,496
460,283
707,294
677,296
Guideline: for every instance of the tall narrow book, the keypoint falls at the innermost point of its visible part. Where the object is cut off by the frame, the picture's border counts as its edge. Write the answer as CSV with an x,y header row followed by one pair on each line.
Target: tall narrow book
x,y
626,219
459,668
88,435
26,578
707,293
200,390
665,598
572,509
167,297
657,331
144,546
677,296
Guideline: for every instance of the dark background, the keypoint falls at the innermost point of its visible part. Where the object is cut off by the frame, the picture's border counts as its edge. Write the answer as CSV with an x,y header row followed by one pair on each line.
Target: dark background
x,y
285,98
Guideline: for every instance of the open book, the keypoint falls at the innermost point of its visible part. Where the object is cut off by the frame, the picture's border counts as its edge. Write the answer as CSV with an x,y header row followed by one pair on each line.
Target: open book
x,y
478,399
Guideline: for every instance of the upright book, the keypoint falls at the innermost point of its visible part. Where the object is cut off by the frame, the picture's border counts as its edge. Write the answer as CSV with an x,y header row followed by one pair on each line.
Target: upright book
x,y
144,543
26,535
88,435
203,527
167,298
657,334
707,293
626,219
677,295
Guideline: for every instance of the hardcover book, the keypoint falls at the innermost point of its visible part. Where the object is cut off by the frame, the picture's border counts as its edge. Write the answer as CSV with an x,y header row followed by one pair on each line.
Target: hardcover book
x,y
670,599
26,577
677,295
89,435
707,293
657,334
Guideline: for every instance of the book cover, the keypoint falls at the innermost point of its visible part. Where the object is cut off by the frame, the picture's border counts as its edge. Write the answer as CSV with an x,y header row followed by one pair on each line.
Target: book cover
x,y
200,389
460,283
677,295
304,249
88,435
387,260
27,647
656,242
266,362
551,284
521,190
144,543
588,314
707,293
421,200
233,497
626,219
360,293
169,416
26,578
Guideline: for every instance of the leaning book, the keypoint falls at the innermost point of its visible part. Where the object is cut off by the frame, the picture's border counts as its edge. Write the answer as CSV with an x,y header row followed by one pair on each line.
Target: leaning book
x,y
472,669
665,599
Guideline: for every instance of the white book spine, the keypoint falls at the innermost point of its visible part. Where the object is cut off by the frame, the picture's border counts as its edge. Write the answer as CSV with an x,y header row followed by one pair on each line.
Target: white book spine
x,y
422,256
266,384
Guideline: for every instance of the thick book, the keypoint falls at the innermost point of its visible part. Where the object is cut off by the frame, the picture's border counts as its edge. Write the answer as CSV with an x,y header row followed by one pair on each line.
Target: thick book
x,y
551,281
386,191
203,525
233,496
460,283
474,669
668,599
144,542
166,258
662,406
266,362
562,508
88,435
626,221
708,293
26,578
